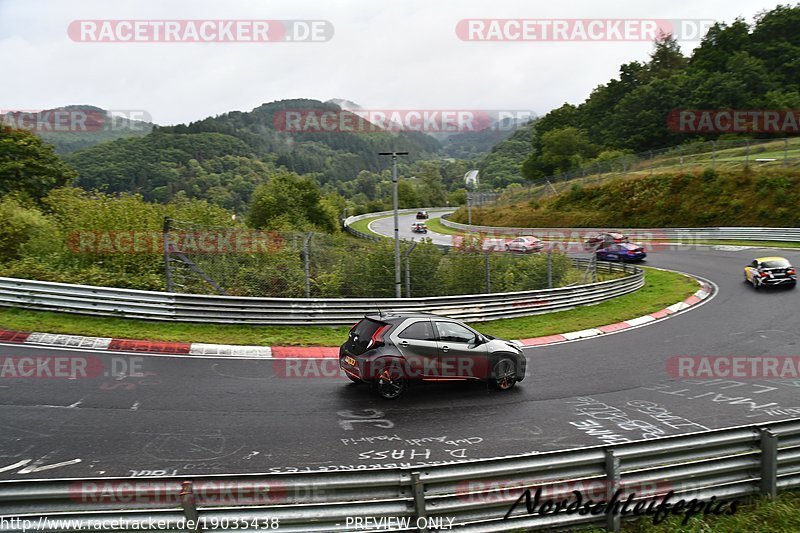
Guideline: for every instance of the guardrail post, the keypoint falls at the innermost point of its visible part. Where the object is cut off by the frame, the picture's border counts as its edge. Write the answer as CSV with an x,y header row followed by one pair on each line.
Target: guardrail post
x,y
419,498
613,481
189,504
408,268
167,266
307,263
769,463
487,270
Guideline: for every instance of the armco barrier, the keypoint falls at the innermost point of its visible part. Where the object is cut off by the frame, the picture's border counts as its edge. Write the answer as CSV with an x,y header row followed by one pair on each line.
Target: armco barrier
x,y
725,464
678,234
127,303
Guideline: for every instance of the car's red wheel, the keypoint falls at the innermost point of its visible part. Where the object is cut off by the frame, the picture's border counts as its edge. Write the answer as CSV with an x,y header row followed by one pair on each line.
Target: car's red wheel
x,y
504,374
390,385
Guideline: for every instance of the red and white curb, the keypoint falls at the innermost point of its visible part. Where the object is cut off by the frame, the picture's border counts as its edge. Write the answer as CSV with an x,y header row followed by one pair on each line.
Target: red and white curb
x,y
309,352
55,340
705,291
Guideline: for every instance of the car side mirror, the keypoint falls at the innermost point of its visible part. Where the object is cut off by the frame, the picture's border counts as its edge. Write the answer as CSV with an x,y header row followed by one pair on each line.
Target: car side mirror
x,y
480,339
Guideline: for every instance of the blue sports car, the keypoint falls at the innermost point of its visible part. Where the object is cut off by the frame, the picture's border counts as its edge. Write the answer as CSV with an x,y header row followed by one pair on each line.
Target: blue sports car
x,y
623,251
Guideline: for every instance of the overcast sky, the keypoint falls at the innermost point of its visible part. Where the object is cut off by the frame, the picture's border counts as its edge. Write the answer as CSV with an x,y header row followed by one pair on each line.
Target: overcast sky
x,y
385,54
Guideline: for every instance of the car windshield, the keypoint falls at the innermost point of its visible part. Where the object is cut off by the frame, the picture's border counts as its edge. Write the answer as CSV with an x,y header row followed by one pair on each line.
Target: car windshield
x,y
776,263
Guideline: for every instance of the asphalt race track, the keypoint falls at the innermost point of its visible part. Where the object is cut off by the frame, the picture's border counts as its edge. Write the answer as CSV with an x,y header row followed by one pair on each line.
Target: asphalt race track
x,y
185,416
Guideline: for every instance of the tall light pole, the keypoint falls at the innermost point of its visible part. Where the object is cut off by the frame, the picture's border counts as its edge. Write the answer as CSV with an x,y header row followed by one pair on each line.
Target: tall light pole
x,y
397,283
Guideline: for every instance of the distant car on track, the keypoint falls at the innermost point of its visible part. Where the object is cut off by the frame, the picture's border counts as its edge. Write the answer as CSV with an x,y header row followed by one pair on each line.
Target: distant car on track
x,y
770,272
524,244
419,227
601,240
623,252
422,215
391,350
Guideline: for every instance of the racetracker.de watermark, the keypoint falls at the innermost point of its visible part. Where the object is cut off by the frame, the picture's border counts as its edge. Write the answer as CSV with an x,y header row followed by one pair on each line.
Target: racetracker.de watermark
x,y
76,120
734,367
398,120
222,241
205,492
69,367
734,121
200,31
580,30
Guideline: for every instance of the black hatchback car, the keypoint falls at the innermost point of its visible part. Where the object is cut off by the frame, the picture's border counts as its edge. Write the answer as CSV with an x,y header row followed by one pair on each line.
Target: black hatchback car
x,y
391,350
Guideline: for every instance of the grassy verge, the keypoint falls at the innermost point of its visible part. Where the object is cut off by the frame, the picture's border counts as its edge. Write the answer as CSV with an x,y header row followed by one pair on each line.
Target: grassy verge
x,y
762,515
662,289
435,225
363,225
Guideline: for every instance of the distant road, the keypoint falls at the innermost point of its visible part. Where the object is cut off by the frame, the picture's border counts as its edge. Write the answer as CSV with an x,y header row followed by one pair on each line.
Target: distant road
x,y
385,226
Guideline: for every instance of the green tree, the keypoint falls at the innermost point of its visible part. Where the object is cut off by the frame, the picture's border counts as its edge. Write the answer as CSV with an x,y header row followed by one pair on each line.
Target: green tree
x,y
666,58
289,201
565,148
431,191
30,166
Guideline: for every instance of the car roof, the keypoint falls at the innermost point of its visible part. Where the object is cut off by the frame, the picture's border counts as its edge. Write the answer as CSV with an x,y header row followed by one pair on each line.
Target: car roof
x,y
771,258
394,316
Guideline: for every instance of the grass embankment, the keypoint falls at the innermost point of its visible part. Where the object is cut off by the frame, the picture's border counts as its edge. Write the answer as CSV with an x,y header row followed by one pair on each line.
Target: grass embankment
x,y
725,198
662,289
781,515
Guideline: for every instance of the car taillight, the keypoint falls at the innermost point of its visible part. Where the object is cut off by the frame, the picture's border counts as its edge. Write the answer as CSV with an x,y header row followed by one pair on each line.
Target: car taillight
x,y
377,337
764,274
631,252
791,271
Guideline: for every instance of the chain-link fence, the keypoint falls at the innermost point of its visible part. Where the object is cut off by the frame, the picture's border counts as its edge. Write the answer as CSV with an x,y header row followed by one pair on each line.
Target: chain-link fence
x,y
717,155
242,262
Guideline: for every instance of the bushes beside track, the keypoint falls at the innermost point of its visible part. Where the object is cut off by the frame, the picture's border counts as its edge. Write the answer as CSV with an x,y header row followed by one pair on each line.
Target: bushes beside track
x,y
708,198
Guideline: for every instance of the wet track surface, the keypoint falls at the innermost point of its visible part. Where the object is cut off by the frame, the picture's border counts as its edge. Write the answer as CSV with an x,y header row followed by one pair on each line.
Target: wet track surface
x,y
184,416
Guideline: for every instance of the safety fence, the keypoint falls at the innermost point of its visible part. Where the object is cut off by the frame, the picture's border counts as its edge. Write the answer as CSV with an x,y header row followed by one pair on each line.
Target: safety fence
x,y
650,234
706,471
163,306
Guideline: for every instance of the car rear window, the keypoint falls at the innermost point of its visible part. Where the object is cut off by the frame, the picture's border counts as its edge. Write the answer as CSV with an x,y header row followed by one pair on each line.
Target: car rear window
x,y
361,335
781,263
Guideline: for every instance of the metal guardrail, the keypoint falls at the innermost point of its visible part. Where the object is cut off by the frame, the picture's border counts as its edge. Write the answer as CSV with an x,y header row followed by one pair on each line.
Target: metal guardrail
x,y
649,234
163,306
738,462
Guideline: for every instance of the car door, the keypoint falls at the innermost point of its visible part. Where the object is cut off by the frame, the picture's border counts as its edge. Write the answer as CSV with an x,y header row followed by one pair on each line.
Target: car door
x,y
460,355
612,252
417,343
